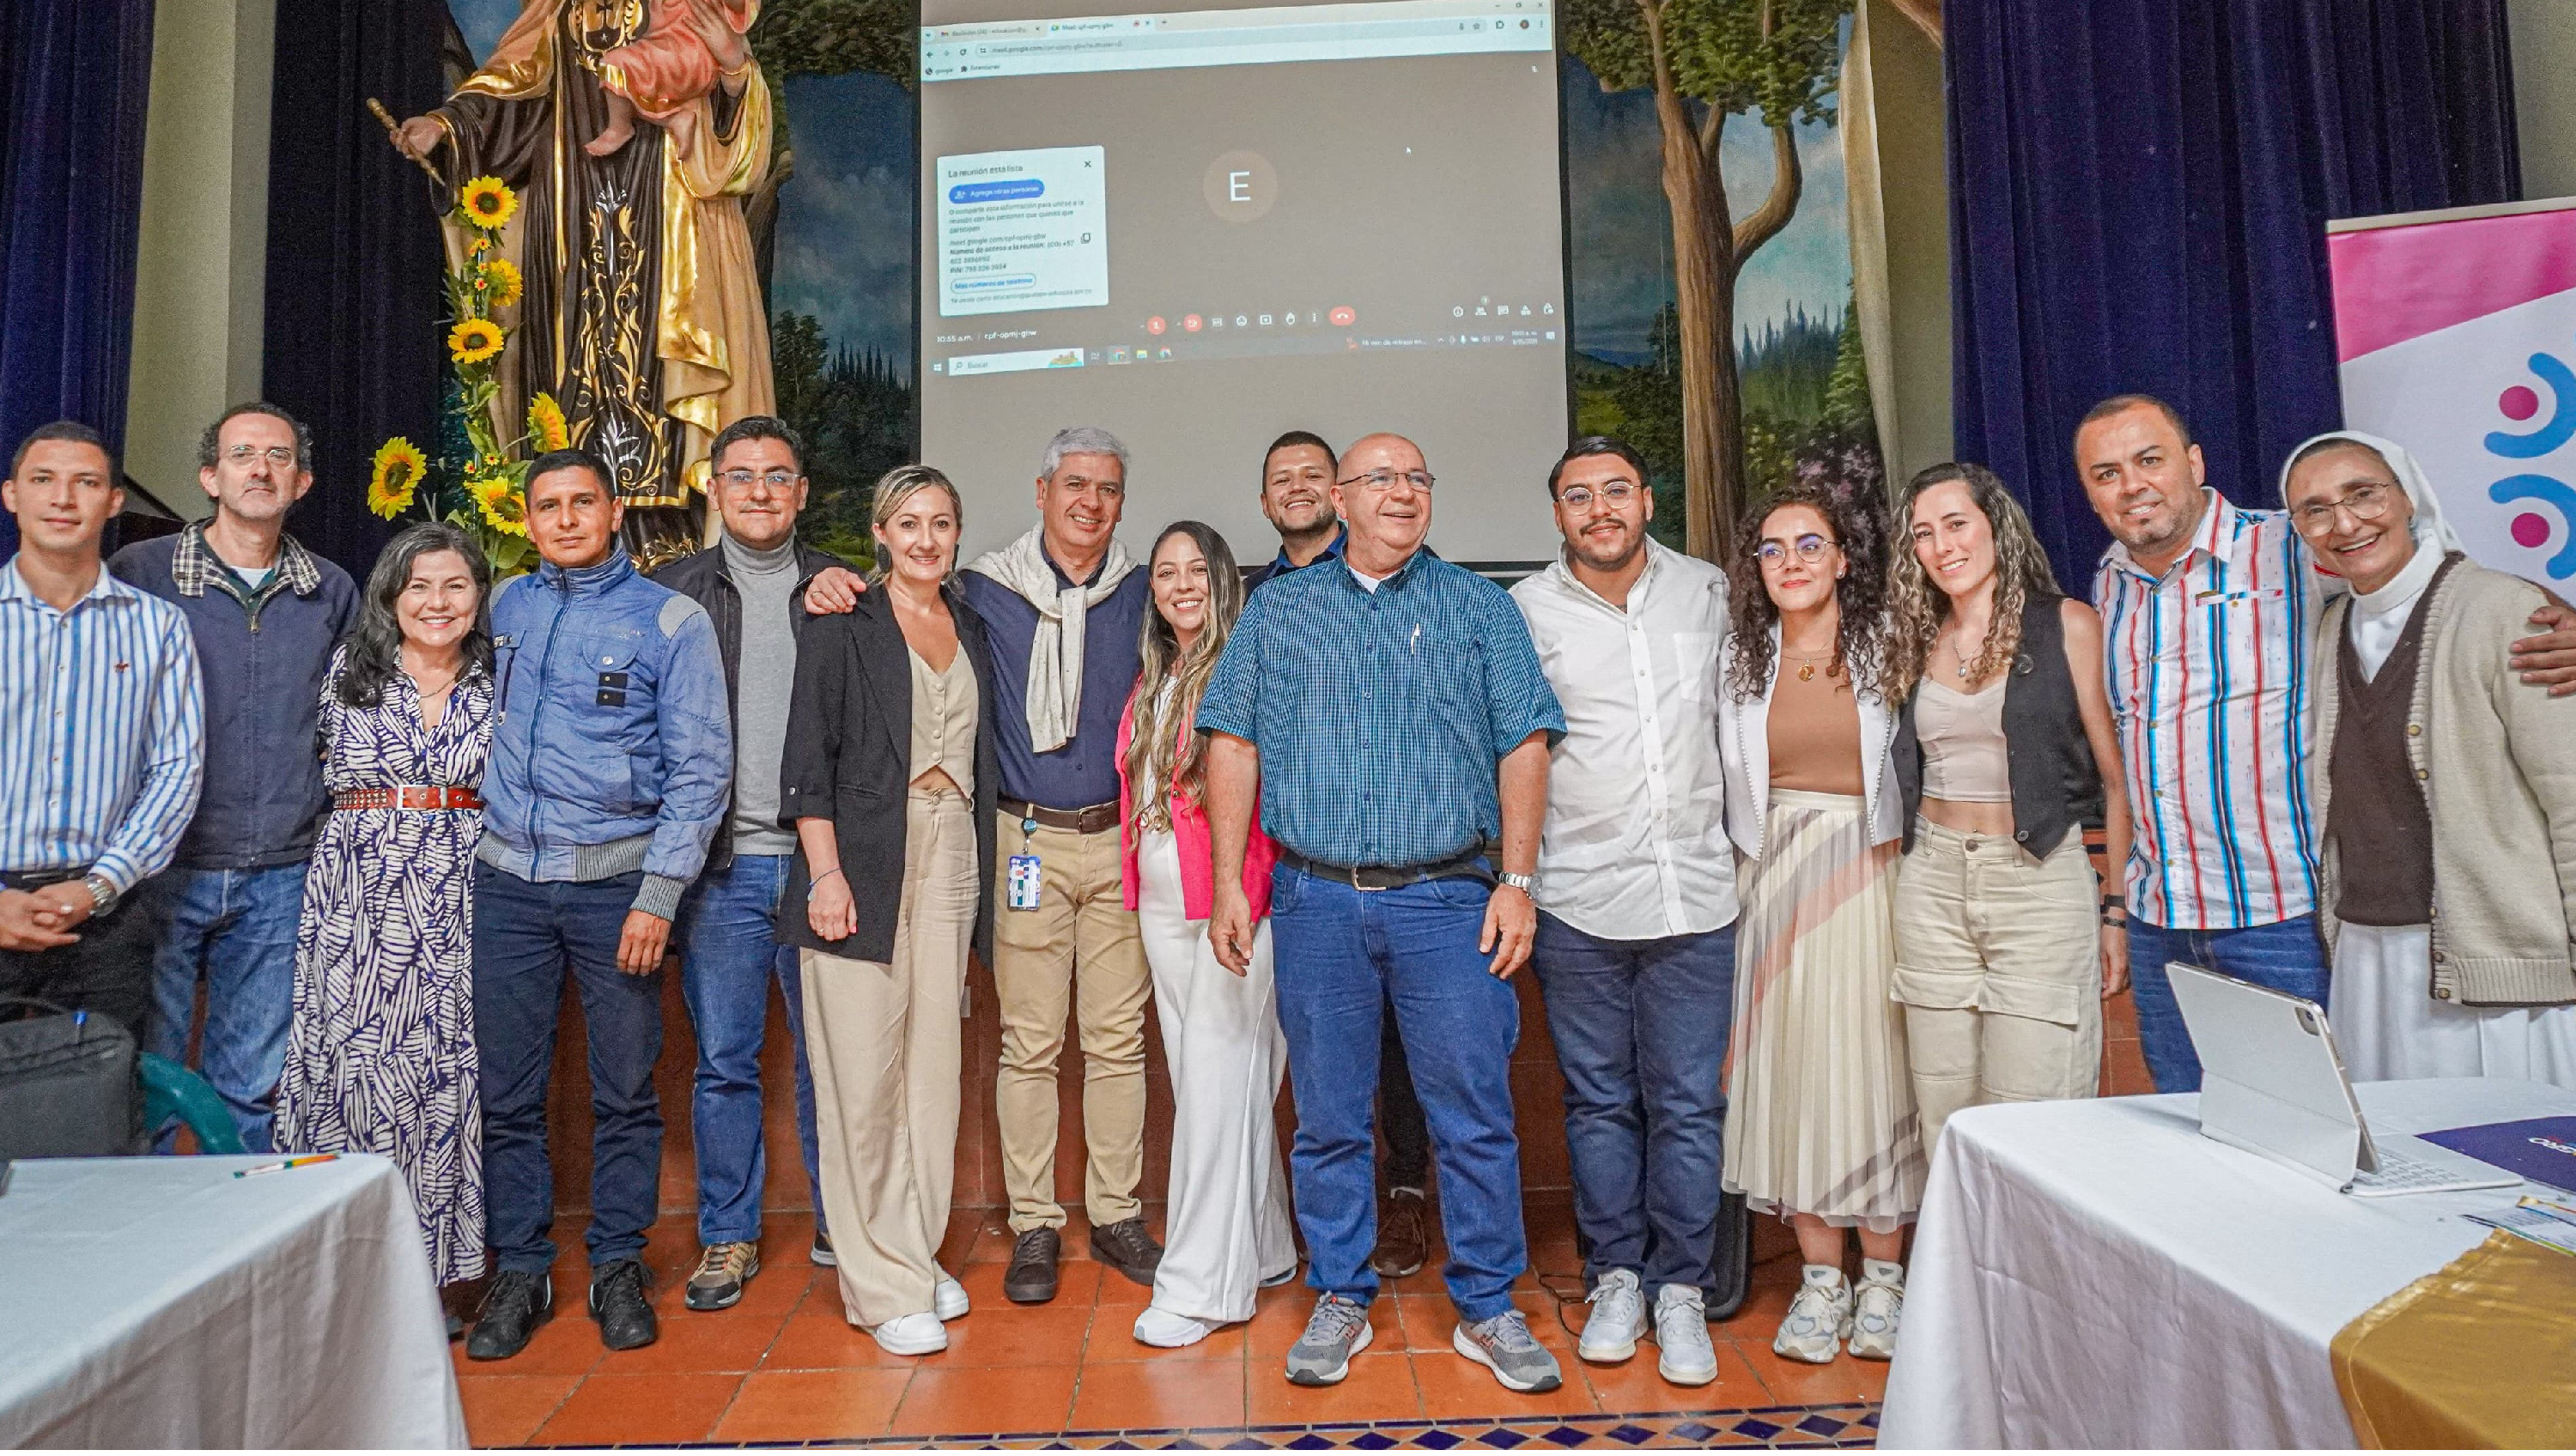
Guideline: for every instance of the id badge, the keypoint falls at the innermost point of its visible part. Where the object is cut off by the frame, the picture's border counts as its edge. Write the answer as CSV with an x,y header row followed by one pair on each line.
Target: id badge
x,y
1024,882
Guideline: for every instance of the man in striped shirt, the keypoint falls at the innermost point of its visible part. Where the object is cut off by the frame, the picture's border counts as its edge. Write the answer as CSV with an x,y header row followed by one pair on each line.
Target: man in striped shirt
x,y
102,732
2209,612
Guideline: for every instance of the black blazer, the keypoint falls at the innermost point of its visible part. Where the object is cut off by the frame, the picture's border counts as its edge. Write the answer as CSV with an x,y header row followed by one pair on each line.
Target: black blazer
x,y
849,759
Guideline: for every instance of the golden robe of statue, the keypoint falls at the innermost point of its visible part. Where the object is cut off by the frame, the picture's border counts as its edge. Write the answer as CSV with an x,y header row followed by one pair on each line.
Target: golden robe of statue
x,y
642,313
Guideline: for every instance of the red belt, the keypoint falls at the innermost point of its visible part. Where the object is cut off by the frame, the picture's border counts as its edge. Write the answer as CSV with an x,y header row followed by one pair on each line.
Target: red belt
x,y
411,796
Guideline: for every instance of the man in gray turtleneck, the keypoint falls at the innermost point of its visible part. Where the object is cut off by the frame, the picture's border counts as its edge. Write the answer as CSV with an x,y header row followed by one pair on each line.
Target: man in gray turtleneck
x,y
747,582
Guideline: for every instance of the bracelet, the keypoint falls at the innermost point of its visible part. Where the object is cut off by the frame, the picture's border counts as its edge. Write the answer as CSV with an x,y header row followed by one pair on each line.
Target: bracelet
x,y
2108,907
825,875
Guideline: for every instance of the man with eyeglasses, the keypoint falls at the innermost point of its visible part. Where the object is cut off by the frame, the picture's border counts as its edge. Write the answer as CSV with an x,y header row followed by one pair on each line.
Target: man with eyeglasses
x,y
1395,720
1635,946
729,957
265,614
2209,616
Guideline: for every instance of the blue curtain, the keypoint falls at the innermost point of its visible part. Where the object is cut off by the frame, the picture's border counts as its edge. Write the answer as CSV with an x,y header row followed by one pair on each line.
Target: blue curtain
x,y
74,76
354,260
2138,197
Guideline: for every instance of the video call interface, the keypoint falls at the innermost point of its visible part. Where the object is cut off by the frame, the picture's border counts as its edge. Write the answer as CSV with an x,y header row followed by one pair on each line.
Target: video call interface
x,y
1202,228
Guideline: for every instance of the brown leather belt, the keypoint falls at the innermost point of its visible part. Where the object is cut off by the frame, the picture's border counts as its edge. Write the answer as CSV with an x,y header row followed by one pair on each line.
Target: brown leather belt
x,y
1470,864
410,796
1081,821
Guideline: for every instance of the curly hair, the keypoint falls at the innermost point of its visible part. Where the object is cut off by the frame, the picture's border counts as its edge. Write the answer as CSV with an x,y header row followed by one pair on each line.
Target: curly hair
x,y
1858,519
2022,576
375,639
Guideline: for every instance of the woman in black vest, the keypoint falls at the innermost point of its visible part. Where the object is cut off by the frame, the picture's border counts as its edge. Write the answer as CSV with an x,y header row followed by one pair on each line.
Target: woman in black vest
x,y
2005,945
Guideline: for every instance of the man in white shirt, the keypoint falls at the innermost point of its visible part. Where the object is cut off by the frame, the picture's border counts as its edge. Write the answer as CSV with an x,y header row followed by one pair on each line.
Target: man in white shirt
x,y
1636,899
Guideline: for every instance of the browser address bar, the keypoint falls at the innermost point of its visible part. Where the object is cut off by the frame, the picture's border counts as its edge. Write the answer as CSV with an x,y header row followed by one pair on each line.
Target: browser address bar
x,y
1267,35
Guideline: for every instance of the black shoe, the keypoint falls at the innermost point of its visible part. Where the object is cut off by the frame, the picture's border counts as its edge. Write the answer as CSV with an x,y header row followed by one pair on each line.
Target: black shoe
x,y
1031,1277
618,1304
822,1254
512,1309
1127,1248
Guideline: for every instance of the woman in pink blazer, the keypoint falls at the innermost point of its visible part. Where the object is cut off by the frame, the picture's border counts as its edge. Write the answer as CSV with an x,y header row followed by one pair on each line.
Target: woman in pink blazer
x,y
1226,1234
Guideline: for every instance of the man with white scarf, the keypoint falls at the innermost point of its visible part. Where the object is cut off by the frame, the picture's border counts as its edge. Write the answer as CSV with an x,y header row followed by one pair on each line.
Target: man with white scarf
x,y
2447,792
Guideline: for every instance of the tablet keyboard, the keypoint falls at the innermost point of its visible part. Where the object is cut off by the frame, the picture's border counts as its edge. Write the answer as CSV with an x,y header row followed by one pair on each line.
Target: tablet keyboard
x,y
2399,1173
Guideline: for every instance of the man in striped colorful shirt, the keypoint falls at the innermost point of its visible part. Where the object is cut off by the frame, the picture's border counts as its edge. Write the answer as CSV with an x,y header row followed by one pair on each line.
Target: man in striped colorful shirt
x,y
102,737
2209,612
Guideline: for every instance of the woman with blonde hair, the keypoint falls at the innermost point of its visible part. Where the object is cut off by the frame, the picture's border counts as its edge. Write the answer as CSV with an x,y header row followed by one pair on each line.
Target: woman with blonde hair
x,y
2005,750
1226,1234
888,779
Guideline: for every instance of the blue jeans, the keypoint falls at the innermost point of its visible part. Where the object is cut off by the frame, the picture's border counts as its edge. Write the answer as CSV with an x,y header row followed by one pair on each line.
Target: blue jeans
x,y
728,959
236,930
2285,955
1343,954
525,934
1640,1028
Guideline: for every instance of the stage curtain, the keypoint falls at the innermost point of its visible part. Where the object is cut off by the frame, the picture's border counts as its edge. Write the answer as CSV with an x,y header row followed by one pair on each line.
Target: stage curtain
x,y
2139,190
354,264
74,78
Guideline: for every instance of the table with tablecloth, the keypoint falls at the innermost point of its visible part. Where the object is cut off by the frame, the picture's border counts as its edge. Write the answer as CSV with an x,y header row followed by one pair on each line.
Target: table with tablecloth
x,y
2097,1273
163,1302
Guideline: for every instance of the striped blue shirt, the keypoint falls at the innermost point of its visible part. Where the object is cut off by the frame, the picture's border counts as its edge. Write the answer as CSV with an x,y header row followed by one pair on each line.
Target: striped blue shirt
x,y
1380,715
2208,676
102,731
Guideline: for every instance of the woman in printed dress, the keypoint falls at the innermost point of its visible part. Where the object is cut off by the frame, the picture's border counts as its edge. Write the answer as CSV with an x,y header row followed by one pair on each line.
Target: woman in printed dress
x,y
380,1055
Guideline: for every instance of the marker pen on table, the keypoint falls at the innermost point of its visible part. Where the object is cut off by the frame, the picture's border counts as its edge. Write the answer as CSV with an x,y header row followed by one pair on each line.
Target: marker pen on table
x,y
285,1163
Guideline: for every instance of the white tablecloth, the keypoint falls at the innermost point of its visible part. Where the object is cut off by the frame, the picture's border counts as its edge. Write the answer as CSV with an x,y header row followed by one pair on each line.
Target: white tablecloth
x,y
2097,1273
162,1302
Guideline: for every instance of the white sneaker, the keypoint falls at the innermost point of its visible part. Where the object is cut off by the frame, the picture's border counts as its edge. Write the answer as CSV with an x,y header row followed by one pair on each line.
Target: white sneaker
x,y
912,1334
1681,1332
1618,1317
1164,1330
948,1297
1876,1310
1817,1318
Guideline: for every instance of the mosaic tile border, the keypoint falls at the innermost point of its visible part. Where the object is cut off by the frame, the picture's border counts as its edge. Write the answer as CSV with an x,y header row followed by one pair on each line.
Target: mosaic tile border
x,y
1848,1425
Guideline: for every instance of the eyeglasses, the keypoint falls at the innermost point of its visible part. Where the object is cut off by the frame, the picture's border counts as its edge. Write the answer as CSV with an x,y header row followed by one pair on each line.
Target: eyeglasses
x,y
1617,493
1810,548
1379,482
2367,502
277,455
741,479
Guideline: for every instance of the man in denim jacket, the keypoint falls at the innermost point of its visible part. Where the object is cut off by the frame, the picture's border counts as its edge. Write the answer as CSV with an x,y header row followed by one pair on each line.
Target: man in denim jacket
x,y
611,758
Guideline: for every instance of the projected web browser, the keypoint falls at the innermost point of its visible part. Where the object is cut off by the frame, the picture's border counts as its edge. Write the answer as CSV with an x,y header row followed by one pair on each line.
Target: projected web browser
x,y
1202,228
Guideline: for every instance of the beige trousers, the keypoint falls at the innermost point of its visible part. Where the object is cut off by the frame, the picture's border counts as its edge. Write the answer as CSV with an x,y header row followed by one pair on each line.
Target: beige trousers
x,y
1079,946
883,1041
1997,966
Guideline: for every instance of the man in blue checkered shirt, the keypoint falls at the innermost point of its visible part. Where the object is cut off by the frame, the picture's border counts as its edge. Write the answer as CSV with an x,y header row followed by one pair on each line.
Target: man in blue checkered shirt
x,y
1393,715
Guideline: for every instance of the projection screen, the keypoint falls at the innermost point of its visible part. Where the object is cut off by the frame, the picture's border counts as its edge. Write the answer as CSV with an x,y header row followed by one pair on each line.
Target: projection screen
x,y
1202,228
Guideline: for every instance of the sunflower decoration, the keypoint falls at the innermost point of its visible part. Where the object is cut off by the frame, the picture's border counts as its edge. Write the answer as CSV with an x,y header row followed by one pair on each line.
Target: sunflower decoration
x,y
502,282
474,340
399,467
487,202
502,507
546,424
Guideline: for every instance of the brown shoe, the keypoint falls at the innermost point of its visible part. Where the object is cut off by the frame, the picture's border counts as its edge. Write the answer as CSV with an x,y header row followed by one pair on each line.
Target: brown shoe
x,y
1403,1234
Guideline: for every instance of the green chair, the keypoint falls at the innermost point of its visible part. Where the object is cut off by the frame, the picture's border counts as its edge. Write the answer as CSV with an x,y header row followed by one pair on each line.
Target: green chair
x,y
171,1090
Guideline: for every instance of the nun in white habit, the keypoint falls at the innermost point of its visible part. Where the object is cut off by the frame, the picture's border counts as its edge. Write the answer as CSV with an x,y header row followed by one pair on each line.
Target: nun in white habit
x,y
2444,789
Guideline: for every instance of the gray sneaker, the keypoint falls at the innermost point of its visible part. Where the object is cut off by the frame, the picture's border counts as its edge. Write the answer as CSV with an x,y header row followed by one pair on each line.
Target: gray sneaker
x,y
1681,1330
1337,1330
1505,1346
1618,1317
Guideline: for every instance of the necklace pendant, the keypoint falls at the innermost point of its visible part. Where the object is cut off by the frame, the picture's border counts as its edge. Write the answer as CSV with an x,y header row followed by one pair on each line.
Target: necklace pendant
x,y
1807,672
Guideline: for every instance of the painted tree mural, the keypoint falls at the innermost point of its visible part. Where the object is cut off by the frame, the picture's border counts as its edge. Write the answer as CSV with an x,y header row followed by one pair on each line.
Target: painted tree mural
x,y
1706,60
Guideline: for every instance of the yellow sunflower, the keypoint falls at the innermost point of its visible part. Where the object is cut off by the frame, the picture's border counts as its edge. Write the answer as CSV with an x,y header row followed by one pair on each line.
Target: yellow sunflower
x,y
503,508
546,424
399,465
487,202
501,282
474,340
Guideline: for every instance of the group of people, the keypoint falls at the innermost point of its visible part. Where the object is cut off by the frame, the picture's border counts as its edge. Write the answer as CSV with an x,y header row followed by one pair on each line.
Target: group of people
x,y
1795,850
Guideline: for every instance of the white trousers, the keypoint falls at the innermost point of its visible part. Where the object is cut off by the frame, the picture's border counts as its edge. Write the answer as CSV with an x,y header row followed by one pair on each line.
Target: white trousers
x,y
1226,1228
2390,1028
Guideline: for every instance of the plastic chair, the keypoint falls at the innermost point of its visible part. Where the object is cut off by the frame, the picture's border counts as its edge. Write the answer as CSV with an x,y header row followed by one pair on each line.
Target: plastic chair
x,y
172,1091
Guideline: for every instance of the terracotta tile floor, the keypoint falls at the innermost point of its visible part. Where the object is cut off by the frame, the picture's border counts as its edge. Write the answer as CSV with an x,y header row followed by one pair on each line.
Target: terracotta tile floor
x,y
783,1366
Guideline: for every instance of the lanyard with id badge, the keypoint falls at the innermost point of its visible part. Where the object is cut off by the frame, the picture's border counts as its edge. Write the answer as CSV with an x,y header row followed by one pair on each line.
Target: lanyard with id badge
x,y
1022,891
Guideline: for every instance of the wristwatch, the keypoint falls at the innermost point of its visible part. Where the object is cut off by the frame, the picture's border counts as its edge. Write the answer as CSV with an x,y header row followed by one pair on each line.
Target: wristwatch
x,y
1521,883
101,890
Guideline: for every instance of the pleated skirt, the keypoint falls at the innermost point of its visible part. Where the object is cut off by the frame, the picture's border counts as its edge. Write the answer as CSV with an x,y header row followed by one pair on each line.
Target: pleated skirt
x,y
1820,1115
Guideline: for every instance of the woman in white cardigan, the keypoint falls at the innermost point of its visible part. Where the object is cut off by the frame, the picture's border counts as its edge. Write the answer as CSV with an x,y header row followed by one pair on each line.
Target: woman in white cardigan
x,y
1820,1118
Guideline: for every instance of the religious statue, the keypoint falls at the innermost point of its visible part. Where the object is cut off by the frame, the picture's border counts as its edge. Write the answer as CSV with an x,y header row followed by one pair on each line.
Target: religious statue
x,y
642,313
